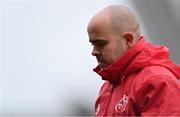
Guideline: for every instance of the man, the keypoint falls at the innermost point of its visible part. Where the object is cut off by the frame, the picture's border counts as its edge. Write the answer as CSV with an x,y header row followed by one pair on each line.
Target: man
x,y
140,79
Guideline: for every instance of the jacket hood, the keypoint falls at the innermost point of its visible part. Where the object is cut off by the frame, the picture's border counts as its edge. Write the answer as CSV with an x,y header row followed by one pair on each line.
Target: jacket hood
x,y
142,54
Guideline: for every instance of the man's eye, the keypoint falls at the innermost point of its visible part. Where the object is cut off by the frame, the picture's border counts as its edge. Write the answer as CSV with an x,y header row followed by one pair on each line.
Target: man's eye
x,y
100,44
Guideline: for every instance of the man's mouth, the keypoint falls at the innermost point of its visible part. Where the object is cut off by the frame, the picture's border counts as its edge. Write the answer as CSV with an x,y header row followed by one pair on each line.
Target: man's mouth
x,y
100,62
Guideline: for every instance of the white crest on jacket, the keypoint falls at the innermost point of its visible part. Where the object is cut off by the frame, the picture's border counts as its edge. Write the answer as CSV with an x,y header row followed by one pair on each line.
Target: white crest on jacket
x,y
121,105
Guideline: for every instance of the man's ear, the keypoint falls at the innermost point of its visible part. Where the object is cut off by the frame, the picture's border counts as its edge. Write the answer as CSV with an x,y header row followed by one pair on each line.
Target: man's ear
x,y
129,39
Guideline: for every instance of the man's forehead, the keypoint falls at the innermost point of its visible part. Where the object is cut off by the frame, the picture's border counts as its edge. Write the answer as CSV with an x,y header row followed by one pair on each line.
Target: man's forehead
x,y
98,29
93,26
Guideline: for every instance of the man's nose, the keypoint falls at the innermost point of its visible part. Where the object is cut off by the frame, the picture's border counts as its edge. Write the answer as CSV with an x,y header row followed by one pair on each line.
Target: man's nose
x,y
95,51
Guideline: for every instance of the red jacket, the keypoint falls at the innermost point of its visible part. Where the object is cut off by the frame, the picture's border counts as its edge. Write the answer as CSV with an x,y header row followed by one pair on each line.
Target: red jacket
x,y
142,82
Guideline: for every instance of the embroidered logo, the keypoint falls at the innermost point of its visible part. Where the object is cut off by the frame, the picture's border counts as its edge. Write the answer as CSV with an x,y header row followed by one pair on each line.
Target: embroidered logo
x,y
121,105
97,109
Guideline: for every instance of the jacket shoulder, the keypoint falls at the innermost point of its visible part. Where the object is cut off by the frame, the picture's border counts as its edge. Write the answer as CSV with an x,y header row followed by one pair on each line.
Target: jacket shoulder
x,y
159,70
154,76
155,86
153,71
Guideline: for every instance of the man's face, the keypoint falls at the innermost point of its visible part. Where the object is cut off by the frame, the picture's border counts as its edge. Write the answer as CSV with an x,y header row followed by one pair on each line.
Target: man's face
x,y
107,45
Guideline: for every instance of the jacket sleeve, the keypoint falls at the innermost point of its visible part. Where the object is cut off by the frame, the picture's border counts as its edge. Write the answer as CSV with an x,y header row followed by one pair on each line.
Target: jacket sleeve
x,y
158,95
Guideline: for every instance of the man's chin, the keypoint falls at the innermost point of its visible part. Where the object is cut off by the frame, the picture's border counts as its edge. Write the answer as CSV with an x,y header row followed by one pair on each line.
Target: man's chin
x,y
102,66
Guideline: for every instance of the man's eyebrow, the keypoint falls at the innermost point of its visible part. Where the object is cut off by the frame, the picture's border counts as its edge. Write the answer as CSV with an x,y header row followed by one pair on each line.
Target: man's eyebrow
x,y
96,41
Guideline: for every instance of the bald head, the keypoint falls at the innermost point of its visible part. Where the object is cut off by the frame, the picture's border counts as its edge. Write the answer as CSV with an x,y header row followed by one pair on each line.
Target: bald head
x,y
112,31
119,18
